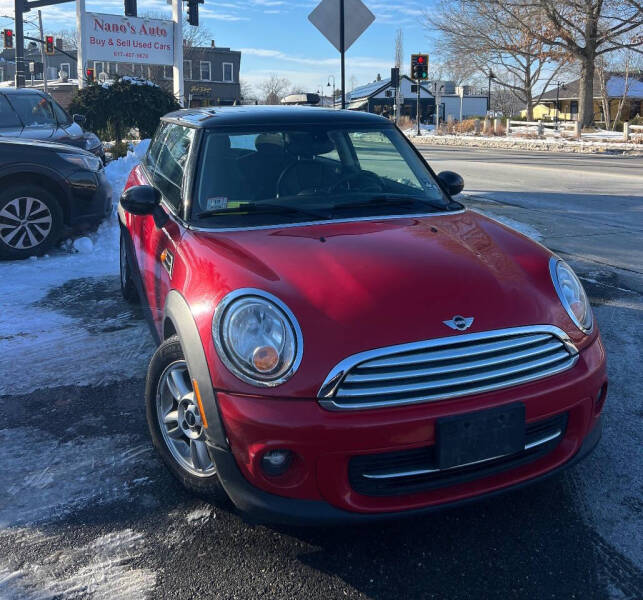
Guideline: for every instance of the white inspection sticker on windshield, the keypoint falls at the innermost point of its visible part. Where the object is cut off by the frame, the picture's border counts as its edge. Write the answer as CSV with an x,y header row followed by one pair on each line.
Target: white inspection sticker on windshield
x,y
218,203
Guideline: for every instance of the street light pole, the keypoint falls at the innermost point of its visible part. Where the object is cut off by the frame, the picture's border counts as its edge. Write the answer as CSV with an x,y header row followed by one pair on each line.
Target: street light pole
x,y
328,85
491,76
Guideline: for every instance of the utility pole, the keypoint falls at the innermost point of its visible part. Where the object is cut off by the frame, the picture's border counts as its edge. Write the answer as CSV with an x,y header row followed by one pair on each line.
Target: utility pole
x,y
43,54
177,71
342,50
20,44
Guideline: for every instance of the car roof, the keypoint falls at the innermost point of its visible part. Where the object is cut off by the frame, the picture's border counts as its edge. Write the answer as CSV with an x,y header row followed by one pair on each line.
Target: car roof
x,y
11,91
235,116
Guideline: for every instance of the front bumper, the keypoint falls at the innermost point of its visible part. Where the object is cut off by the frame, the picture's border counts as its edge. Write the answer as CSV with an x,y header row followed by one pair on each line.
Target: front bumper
x,y
262,507
317,488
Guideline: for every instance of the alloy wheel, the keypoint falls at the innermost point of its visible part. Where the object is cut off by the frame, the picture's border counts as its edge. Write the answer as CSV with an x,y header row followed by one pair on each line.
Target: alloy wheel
x,y
180,420
25,223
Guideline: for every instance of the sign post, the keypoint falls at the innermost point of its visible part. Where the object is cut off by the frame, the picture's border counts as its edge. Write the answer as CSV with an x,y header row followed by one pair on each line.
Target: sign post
x,y
330,18
82,38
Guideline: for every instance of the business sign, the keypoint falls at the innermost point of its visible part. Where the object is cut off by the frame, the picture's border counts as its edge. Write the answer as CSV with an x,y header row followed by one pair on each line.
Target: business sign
x,y
112,38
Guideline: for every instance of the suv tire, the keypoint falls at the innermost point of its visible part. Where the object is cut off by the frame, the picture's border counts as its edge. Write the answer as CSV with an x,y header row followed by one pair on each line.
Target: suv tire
x,y
31,221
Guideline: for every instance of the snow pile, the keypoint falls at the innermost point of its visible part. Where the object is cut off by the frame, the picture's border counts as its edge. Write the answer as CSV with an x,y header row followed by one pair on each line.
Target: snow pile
x,y
424,130
132,80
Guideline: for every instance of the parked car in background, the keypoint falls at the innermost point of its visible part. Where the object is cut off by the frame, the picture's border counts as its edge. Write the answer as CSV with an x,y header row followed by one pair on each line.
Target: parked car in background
x,y
47,189
32,114
339,338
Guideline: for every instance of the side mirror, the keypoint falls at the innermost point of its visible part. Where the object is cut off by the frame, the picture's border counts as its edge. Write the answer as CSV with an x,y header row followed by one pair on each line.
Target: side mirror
x,y
80,119
452,182
141,199
144,200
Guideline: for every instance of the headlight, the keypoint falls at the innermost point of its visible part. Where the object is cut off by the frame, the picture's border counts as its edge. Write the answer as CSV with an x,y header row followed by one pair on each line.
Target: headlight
x,y
84,162
257,337
91,141
571,293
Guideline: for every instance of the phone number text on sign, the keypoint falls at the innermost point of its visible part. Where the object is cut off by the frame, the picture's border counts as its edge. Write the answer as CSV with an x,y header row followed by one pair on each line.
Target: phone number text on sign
x,y
129,39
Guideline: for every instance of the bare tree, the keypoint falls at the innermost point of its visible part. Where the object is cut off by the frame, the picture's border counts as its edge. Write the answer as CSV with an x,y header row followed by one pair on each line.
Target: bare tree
x,y
581,30
248,95
274,89
479,40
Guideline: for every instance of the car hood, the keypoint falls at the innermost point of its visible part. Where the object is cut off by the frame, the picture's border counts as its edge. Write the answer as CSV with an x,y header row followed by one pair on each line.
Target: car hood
x,y
369,284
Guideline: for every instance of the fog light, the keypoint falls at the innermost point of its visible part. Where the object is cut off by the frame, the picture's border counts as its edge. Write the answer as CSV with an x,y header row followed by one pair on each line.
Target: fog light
x,y
600,399
276,462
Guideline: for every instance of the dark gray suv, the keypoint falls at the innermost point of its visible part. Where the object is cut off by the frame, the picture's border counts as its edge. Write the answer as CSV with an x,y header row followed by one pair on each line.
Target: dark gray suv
x,y
32,114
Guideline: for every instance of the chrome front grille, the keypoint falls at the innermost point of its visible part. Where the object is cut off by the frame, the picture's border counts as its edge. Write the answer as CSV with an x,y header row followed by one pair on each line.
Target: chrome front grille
x,y
449,367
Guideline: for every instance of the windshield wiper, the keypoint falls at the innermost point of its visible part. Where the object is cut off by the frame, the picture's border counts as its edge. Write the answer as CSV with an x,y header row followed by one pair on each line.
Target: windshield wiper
x,y
386,200
263,208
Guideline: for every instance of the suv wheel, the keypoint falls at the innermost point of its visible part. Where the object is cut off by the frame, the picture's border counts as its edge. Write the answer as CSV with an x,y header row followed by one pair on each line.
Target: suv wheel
x,y
174,421
31,221
128,287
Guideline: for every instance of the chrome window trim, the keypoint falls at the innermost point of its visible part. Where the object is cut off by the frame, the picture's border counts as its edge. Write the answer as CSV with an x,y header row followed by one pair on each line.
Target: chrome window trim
x,y
219,312
326,394
324,222
553,264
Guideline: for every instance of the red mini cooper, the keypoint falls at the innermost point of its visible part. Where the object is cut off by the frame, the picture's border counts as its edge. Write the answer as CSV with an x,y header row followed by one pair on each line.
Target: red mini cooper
x,y
338,338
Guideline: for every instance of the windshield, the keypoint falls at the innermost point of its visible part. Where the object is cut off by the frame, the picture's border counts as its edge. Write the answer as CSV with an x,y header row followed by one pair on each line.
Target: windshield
x,y
34,110
310,173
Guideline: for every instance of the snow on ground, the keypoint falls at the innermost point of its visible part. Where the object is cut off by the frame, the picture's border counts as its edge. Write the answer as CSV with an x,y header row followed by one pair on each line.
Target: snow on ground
x,y
424,130
104,569
49,346
45,479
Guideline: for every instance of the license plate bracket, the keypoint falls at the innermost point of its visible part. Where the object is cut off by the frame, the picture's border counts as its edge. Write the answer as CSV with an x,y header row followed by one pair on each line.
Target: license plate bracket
x,y
480,435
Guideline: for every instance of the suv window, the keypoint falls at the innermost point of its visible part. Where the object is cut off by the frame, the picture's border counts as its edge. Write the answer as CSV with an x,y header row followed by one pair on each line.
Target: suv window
x,y
33,109
170,166
8,117
61,114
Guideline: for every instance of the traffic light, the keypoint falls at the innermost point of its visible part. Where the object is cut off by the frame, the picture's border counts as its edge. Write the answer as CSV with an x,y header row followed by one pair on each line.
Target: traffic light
x,y
89,75
130,8
193,12
395,77
420,66
7,38
49,45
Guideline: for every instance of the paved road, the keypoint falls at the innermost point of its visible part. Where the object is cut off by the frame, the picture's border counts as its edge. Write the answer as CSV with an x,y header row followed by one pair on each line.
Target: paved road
x,y
86,509
585,204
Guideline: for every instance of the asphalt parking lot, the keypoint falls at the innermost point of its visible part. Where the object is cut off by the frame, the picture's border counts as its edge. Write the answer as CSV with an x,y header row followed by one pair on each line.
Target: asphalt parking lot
x,y
88,511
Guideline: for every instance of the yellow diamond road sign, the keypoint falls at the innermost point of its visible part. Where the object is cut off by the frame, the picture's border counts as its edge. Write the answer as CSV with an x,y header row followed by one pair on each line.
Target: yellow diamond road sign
x,y
357,19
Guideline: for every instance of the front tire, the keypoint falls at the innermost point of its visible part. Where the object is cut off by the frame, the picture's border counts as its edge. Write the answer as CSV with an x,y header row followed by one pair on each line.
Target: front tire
x,y
31,221
174,421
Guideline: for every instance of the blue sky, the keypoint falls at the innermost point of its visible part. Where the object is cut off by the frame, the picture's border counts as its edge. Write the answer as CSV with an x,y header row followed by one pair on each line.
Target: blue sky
x,y
275,36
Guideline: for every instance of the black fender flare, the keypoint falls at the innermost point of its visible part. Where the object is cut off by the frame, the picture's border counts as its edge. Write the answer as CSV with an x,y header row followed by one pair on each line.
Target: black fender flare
x,y
178,312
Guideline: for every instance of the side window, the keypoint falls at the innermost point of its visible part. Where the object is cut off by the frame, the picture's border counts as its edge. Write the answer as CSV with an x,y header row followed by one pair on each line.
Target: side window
x,y
151,158
61,115
170,166
8,117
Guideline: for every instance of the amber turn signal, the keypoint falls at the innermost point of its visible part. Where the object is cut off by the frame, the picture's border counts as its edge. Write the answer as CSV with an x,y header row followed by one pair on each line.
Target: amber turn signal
x,y
265,359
